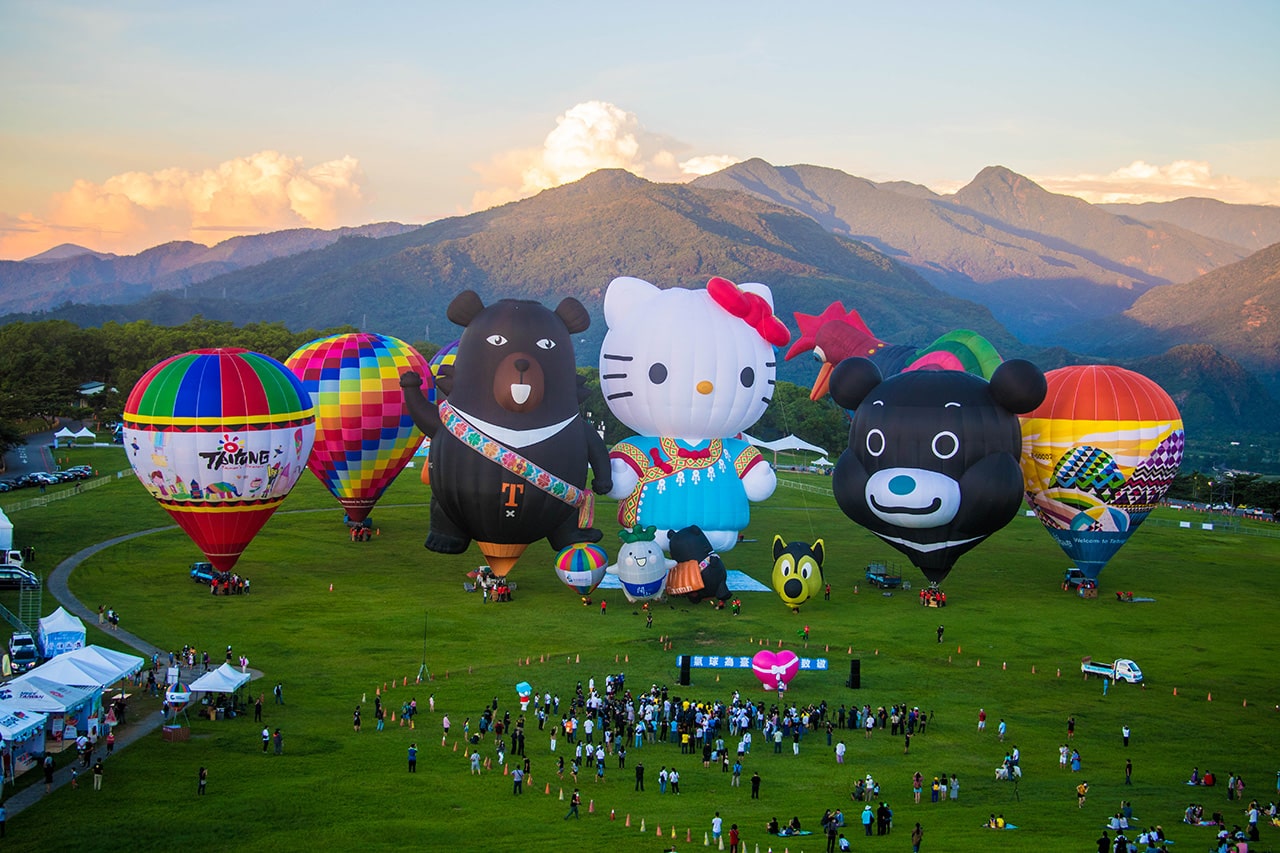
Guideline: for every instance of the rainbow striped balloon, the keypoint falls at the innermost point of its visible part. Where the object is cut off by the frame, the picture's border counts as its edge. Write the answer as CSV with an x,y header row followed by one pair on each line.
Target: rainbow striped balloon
x,y
219,437
364,436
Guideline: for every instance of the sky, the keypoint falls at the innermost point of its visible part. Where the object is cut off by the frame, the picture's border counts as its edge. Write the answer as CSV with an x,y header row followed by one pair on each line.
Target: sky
x,y
128,124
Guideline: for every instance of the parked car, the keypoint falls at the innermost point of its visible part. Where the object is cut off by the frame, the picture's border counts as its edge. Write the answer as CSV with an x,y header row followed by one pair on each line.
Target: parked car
x,y
5,486
1073,578
16,577
203,573
23,653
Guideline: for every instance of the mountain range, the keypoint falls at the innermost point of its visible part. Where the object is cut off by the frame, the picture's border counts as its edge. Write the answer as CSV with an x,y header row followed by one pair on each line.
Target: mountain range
x,y
1042,275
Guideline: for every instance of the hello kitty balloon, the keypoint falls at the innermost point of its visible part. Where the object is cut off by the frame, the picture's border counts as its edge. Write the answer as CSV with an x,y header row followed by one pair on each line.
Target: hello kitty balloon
x,y
689,370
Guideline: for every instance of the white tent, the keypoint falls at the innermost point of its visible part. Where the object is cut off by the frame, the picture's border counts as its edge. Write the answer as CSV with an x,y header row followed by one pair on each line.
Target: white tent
x,y
60,632
72,711
789,442
21,739
85,432
823,462
6,532
91,666
65,432
224,679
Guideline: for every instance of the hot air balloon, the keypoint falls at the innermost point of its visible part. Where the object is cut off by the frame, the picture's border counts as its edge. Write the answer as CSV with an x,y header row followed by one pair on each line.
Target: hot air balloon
x,y
219,437
364,437
835,335
689,370
510,449
1098,455
642,567
581,567
932,463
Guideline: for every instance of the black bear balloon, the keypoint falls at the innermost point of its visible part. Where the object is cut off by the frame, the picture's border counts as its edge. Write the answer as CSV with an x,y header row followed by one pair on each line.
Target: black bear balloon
x,y
699,572
932,463
509,446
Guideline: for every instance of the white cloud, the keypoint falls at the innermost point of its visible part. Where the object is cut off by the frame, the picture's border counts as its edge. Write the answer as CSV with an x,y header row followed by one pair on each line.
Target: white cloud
x,y
126,213
592,135
1141,182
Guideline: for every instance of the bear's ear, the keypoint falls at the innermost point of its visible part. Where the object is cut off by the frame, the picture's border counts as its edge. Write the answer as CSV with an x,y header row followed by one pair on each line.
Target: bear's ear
x,y
464,308
852,380
1018,385
819,552
575,317
778,547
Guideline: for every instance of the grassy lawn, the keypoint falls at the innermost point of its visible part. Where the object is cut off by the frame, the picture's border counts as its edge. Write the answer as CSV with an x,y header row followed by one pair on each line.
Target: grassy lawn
x,y
1009,631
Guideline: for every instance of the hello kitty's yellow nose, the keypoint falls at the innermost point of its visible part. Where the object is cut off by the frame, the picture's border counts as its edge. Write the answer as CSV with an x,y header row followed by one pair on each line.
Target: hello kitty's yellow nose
x,y
705,387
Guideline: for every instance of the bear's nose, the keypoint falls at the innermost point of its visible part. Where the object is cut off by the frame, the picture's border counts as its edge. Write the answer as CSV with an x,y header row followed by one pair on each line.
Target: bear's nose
x,y
522,364
902,485
704,387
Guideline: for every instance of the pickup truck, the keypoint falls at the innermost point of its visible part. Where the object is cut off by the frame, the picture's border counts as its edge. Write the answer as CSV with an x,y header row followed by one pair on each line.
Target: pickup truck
x,y
884,576
23,654
1121,669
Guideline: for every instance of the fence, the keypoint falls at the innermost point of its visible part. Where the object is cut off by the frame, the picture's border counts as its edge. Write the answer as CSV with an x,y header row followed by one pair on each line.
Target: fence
x,y
62,494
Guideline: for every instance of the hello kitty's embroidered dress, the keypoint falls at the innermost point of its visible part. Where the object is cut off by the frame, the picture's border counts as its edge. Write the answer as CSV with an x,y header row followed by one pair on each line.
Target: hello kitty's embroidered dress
x,y
689,369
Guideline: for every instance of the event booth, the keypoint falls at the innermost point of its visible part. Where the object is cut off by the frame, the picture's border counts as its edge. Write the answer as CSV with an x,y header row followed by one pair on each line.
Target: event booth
x,y
71,711
60,632
90,666
21,740
219,688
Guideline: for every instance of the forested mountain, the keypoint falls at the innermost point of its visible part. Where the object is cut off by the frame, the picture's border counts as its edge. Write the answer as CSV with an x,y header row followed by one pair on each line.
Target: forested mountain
x,y
1040,261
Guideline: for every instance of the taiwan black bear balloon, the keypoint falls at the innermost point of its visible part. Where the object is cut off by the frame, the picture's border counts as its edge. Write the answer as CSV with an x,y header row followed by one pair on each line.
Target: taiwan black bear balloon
x,y
932,464
699,573
509,447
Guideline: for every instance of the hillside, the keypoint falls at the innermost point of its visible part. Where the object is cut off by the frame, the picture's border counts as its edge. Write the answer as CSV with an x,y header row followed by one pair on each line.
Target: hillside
x,y
571,241
1253,226
1038,260
1235,309
71,273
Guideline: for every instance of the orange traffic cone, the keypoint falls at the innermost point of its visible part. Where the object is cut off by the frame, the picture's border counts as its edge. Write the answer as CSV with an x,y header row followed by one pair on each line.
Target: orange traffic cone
x,y
1004,664
591,807
1033,669
455,746
1210,697
330,587
688,836
504,769
628,821
562,793
979,663
658,831
1175,691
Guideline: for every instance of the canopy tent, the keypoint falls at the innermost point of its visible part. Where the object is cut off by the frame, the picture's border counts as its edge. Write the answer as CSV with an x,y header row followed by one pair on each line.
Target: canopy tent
x,y
224,679
85,432
65,432
91,666
823,462
60,632
21,739
6,532
71,710
789,442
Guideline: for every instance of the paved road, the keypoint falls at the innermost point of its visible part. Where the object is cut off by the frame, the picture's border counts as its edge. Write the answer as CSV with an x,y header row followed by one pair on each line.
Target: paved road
x,y
139,724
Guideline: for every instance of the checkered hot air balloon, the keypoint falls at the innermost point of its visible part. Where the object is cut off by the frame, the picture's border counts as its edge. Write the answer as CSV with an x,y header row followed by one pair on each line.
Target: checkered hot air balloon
x,y
364,436
219,437
1097,456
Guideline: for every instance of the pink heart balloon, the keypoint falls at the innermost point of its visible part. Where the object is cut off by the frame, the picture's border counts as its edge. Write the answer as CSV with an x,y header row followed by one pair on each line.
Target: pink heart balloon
x,y
773,667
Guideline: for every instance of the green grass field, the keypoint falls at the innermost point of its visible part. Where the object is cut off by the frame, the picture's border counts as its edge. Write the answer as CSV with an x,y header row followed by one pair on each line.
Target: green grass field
x,y
1009,630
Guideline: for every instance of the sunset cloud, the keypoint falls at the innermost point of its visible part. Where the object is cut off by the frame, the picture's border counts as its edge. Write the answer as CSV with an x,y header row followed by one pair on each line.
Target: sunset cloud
x,y
266,191
1141,182
590,136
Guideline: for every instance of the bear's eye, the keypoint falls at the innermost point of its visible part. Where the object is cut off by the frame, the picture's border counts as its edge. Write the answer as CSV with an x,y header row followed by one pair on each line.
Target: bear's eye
x,y
497,340
658,373
805,571
875,442
748,377
546,343
945,444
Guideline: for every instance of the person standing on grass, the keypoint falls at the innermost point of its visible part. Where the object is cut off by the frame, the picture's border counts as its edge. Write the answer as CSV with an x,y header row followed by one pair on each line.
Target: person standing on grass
x,y
1082,790
1124,734
278,740
955,788
413,758
202,779
917,835
755,785
1001,729
48,772
266,738
1128,772
279,693
982,720
716,825
97,775
574,802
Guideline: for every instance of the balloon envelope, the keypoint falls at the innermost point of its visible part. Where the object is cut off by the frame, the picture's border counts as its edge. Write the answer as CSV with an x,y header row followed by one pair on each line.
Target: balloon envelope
x,y
364,436
1098,455
581,567
219,437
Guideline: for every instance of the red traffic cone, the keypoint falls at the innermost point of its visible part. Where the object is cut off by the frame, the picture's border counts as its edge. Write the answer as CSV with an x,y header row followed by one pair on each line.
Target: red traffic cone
x,y
591,807
628,821
611,814
330,587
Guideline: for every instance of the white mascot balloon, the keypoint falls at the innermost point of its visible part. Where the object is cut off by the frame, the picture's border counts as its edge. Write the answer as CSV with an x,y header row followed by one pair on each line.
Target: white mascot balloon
x,y
688,370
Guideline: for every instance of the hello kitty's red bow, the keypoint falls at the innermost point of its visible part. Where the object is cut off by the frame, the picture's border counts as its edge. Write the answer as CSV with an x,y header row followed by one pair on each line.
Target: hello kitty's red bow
x,y
751,308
